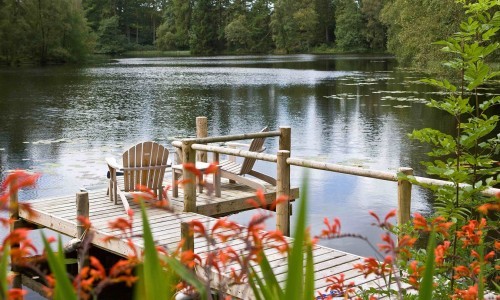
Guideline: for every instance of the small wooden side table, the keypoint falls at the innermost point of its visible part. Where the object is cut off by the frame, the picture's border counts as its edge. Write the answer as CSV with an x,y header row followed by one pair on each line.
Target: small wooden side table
x,y
177,171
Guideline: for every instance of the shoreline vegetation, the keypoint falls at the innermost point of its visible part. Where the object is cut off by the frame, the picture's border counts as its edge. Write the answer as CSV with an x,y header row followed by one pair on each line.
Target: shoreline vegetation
x,y
66,31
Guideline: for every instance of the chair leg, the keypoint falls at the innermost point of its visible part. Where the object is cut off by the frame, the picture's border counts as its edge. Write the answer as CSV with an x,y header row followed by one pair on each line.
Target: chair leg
x,y
216,181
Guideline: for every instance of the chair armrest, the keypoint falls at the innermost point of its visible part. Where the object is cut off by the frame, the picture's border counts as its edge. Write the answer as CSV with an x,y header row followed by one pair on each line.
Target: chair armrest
x,y
112,163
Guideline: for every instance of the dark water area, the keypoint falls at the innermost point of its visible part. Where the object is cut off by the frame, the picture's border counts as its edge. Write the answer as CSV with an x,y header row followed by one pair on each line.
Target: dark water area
x,y
63,121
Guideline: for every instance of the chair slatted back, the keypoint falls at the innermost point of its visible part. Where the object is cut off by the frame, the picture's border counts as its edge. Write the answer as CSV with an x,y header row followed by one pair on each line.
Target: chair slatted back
x,y
255,146
144,164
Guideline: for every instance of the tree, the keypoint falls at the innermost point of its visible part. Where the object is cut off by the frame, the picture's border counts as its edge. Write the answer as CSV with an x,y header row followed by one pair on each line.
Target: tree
x,y
293,24
56,30
110,39
238,33
12,28
413,25
260,26
203,37
375,31
173,32
349,26
326,21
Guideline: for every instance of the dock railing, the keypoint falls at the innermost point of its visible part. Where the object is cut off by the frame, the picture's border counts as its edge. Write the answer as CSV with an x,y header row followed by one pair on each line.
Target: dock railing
x,y
283,160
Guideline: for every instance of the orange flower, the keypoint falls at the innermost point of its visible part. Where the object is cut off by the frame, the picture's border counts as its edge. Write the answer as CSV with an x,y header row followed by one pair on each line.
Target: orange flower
x,y
332,229
461,271
212,168
198,227
487,207
121,224
18,179
338,285
415,273
438,224
471,234
84,221
99,272
16,294
440,252
405,243
468,294
420,223
277,235
372,266
189,258
259,195
386,223
146,193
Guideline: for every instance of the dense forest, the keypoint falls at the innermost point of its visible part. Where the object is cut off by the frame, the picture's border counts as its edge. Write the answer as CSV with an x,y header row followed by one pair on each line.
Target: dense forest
x,y
45,31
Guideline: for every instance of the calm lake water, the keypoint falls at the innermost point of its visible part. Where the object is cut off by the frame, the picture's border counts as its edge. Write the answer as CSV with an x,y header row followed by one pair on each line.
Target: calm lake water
x,y
355,110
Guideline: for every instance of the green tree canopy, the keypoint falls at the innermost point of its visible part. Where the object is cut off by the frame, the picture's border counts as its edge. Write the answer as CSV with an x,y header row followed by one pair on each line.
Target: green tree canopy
x,y
349,26
44,31
293,24
413,25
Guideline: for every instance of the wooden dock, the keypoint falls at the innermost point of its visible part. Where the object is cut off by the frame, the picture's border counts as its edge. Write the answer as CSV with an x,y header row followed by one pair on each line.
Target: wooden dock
x,y
59,214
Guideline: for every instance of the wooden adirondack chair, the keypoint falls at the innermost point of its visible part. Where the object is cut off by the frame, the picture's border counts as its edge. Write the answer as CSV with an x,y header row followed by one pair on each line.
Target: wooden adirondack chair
x,y
143,164
236,172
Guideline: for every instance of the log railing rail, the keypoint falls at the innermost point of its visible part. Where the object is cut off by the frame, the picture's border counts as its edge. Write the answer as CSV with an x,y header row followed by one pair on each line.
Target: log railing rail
x,y
283,160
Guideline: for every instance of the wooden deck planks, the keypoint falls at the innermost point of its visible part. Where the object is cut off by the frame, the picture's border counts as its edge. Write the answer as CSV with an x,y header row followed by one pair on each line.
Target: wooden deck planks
x,y
59,214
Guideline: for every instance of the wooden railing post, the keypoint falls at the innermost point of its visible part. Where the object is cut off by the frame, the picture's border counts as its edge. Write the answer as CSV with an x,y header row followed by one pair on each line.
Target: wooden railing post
x,y
201,132
187,236
188,156
82,210
285,142
404,197
283,189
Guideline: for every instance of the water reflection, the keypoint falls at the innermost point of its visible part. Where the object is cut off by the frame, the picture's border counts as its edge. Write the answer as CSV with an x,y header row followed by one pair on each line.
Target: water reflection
x,y
63,121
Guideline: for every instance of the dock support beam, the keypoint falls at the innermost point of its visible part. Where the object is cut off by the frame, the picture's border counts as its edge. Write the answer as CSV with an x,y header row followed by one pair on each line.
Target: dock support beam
x,y
187,236
201,132
14,216
189,157
283,190
82,211
404,197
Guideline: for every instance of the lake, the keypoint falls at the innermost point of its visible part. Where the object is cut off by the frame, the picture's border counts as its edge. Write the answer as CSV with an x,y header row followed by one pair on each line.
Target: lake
x,y
62,121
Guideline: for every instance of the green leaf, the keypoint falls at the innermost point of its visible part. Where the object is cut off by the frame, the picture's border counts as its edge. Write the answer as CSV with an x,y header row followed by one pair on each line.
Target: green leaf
x,y
309,276
4,271
64,288
426,285
153,272
270,278
294,287
187,275
252,281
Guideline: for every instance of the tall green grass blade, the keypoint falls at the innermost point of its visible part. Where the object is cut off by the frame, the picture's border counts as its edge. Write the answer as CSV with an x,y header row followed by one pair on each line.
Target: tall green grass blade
x,y
294,287
480,290
64,288
425,292
4,265
252,281
309,276
263,289
155,279
270,278
187,276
